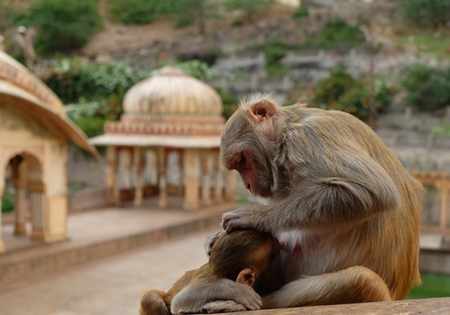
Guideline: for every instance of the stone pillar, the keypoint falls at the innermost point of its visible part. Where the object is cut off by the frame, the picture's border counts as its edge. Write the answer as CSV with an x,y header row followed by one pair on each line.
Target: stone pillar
x,y
139,163
20,202
111,174
191,174
2,244
444,204
154,166
162,178
180,166
230,186
218,191
206,180
128,163
39,211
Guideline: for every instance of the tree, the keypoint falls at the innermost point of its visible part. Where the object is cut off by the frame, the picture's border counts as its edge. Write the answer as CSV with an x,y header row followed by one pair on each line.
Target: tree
x,y
250,7
426,13
61,26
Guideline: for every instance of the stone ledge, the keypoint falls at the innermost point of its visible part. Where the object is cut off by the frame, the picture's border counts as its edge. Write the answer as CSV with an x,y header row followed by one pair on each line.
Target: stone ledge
x,y
439,306
24,265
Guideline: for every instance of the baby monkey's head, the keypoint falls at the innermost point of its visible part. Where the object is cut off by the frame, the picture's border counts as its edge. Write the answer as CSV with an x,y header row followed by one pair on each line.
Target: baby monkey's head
x,y
243,255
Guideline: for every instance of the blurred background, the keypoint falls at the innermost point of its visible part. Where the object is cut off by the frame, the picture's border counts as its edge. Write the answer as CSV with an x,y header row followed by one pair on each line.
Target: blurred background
x,y
385,61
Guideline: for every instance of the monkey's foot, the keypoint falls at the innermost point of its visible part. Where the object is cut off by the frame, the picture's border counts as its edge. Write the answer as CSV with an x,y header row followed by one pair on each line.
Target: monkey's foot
x,y
222,307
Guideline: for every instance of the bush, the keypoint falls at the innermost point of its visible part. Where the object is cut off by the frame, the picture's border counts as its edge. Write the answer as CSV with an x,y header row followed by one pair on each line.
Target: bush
x,y
61,26
426,13
199,70
427,87
74,79
133,11
336,34
340,91
94,91
300,13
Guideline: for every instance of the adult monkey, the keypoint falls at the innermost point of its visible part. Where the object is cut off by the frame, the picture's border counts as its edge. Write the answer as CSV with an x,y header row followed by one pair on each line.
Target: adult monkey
x,y
338,198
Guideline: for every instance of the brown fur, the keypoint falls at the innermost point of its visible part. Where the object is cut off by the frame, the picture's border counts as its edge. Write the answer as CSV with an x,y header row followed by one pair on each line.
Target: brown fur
x,y
341,201
244,250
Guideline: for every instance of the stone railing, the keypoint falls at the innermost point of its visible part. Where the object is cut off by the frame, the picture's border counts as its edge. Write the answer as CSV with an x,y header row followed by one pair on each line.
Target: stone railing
x,y
87,200
437,219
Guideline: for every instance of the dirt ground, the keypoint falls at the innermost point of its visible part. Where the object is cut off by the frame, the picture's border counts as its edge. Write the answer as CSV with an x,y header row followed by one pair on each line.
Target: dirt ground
x,y
116,36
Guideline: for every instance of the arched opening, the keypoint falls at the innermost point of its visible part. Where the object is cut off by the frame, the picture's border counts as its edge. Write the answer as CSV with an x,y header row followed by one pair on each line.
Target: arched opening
x,y
24,192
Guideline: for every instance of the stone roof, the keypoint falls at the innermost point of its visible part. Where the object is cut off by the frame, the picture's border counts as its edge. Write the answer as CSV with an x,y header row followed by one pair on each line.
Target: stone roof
x,y
26,94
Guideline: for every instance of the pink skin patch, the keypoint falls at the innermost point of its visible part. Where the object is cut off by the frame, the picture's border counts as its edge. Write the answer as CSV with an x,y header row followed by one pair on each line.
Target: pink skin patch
x,y
295,250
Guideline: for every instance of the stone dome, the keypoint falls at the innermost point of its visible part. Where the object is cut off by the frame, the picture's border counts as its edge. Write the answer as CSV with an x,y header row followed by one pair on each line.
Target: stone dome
x,y
170,103
172,92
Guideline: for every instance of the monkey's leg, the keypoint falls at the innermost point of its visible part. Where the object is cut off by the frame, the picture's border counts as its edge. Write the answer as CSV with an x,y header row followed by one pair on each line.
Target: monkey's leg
x,y
152,303
352,285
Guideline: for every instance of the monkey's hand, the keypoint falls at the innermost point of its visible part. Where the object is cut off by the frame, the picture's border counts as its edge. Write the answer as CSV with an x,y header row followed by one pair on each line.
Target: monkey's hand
x,y
246,218
194,297
210,240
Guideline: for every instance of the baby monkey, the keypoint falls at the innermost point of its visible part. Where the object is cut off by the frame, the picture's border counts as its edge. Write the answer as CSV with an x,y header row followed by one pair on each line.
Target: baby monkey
x,y
241,256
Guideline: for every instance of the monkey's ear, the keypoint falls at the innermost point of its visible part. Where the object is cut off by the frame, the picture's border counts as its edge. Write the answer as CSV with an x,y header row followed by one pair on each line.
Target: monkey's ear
x,y
246,276
262,110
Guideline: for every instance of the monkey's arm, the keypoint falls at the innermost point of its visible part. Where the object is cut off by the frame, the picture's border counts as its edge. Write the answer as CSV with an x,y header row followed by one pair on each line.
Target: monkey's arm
x,y
328,186
198,294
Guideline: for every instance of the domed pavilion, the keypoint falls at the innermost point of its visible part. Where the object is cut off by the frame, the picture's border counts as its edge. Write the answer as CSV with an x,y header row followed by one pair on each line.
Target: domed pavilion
x,y
34,133
169,113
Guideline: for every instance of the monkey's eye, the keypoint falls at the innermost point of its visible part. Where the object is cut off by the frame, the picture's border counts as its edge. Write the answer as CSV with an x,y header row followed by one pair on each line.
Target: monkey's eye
x,y
242,160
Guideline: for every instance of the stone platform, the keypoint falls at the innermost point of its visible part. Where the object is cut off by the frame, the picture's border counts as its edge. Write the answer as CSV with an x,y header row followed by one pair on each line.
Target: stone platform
x,y
101,233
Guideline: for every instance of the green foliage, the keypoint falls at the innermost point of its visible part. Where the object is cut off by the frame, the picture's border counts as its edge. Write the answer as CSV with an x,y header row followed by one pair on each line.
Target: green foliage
x,y
92,126
436,44
230,103
426,13
336,34
199,70
340,91
300,13
61,26
427,87
274,51
185,20
134,11
73,79
7,201
185,12
94,90
6,11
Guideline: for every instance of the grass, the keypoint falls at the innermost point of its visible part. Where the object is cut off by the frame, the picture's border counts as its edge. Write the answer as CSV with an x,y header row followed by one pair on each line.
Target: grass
x,y
433,285
437,43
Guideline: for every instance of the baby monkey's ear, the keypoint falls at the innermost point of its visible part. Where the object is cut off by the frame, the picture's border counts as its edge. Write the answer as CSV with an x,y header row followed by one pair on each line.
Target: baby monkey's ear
x,y
246,276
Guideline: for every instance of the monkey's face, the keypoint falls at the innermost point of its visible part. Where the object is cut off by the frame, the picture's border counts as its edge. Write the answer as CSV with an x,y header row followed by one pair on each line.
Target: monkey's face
x,y
254,176
245,149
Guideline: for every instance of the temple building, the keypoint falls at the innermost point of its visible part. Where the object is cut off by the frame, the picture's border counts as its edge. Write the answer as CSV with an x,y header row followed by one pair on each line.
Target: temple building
x,y
34,134
168,114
